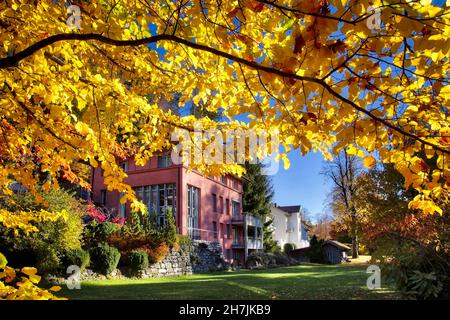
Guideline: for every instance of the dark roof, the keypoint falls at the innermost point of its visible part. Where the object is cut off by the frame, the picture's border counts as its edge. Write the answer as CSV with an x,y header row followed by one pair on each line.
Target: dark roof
x,y
336,244
290,209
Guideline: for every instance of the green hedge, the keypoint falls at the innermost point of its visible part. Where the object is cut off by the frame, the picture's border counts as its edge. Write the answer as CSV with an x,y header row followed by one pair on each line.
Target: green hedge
x,y
137,260
104,258
78,257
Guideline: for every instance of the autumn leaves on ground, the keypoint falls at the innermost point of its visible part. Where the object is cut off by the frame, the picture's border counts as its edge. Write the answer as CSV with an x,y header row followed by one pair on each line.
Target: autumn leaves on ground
x,y
112,80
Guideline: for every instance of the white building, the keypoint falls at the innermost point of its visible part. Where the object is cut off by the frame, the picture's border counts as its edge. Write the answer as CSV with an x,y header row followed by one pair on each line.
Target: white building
x,y
289,227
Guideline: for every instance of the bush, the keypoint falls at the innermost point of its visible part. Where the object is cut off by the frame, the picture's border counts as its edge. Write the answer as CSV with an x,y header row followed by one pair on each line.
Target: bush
x,y
316,253
104,258
78,257
288,247
158,253
170,229
262,260
95,233
183,243
48,246
137,260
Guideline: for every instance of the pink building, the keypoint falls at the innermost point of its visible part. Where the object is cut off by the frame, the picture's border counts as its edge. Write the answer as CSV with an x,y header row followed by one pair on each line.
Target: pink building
x,y
205,208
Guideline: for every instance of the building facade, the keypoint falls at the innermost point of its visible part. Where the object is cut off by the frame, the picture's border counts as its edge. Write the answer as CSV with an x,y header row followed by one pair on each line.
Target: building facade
x,y
289,226
205,208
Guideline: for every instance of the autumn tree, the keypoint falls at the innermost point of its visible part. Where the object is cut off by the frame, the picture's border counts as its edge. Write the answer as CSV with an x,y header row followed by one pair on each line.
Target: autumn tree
x,y
412,248
343,172
323,75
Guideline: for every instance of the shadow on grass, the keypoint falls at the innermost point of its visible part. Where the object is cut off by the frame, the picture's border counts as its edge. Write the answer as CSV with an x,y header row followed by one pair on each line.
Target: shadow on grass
x,y
297,282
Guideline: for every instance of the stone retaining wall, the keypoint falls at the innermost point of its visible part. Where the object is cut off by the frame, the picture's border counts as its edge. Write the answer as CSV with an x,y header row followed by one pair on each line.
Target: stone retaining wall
x,y
202,256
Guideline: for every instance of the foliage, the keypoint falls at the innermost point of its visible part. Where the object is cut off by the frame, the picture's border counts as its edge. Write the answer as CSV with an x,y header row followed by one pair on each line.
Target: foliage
x,y
104,258
157,253
101,215
343,172
98,232
78,257
257,197
258,259
20,284
316,253
13,288
170,229
183,243
413,248
312,71
137,260
288,247
47,247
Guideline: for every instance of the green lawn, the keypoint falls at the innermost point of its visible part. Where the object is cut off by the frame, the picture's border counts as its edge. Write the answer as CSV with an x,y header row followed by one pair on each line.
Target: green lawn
x,y
297,282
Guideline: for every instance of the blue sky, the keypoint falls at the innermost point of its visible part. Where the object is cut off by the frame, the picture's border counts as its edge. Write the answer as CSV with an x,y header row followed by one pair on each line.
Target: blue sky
x,y
301,183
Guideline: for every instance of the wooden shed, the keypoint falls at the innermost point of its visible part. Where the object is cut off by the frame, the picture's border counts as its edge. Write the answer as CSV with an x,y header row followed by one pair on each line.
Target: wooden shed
x,y
335,252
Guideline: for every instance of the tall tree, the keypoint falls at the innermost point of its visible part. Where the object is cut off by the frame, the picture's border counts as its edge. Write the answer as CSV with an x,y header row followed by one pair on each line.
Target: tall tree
x,y
257,199
343,172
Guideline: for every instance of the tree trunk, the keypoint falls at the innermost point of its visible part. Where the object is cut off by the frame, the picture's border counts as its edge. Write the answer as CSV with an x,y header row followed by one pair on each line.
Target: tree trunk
x,y
355,251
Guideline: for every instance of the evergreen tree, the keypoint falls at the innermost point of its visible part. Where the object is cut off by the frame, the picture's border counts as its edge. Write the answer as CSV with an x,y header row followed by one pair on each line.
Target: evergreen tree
x,y
257,198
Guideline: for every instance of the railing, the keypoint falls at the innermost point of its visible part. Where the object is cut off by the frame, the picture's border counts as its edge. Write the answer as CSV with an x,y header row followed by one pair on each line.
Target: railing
x,y
254,243
201,234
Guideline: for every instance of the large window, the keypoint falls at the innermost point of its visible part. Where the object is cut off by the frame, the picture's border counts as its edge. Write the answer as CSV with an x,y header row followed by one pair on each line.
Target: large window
x,y
193,195
160,200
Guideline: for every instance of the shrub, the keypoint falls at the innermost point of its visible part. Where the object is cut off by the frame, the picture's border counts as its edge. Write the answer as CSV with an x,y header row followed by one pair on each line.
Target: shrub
x,y
183,243
101,214
104,258
316,253
78,257
137,260
157,253
98,232
48,246
267,260
170,229
288,247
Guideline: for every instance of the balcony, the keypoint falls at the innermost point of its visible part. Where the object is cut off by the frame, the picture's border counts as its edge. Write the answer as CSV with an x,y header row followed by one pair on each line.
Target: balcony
x,y
254,243
246,218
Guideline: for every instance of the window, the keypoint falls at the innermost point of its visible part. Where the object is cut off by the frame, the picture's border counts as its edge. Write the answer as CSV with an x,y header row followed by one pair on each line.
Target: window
x,y
103,197
236,208
124,166
214,226
227,206
214,202
222,230
164,161
160,200
193,194
235,184
223,179
229,231
220,204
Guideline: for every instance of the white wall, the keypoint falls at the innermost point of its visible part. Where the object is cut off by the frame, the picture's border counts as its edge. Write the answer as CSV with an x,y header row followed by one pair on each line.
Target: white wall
x,y
284,222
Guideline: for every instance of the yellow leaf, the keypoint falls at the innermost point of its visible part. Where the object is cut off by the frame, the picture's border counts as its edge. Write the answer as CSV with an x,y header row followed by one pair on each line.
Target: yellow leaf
x,y
29,271
3,261
369,161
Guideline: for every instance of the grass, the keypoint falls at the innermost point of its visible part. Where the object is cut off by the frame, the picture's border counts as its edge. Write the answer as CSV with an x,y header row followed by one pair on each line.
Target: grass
x,y
306,281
